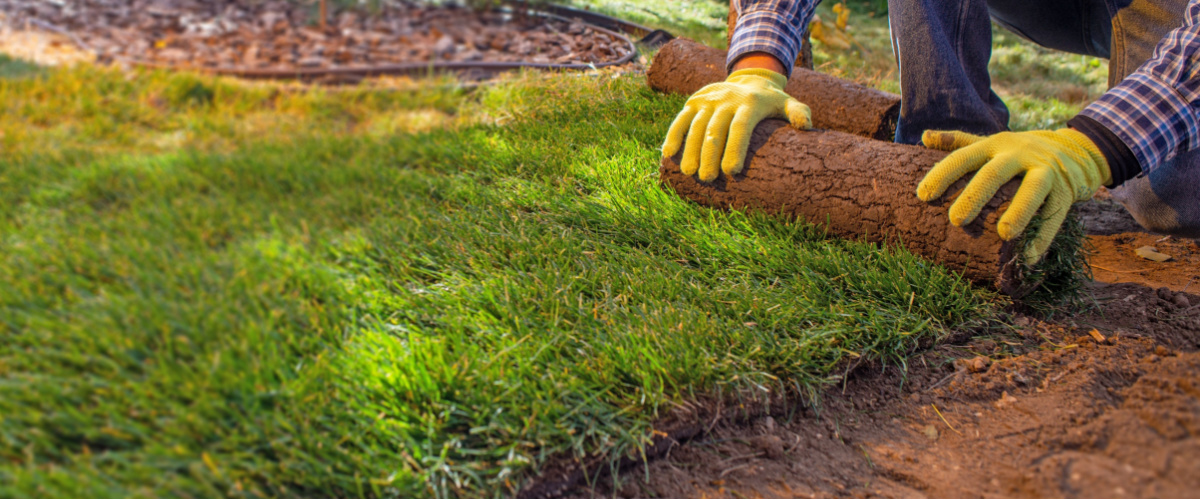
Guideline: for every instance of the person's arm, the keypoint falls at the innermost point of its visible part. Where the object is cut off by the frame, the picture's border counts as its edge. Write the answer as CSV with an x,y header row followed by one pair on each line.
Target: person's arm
x,y
769,28
1154,111
1134,127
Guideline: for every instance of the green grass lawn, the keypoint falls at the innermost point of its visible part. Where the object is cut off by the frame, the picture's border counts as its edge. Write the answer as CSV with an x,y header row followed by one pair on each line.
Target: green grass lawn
x,y
223,289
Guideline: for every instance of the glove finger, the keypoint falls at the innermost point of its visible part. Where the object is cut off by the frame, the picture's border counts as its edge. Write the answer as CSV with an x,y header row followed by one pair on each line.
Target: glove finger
x,y
948,140
798,114
740,130
1035,187
955,165
1058,204
714,144
675,134
982,188
690,162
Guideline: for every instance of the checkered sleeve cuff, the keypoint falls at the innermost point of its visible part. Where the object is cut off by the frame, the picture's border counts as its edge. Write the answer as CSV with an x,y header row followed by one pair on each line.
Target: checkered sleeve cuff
x,y
771,31
1149,116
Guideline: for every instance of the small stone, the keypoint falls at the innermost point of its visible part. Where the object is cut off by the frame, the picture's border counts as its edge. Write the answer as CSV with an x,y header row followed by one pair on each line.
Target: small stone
x,y
769,424
1165,293
444,45
770,444
1005,400
931,432
1162,351
1181,301
978,364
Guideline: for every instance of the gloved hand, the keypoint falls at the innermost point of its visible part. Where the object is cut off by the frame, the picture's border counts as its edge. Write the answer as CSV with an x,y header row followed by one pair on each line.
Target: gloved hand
x,y
720,117
1060,168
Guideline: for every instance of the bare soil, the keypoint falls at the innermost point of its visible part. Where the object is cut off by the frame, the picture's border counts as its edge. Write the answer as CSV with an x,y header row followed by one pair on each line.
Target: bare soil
x,y
1115,261
285,35
1103,403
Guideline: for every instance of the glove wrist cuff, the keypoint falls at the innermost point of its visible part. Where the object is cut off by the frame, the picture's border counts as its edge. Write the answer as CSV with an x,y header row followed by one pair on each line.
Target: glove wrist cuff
x,y
777,79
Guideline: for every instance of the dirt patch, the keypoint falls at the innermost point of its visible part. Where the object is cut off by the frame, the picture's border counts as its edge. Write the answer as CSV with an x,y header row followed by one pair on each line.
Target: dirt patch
x,y
1114,237
286,35
1102,215
684,66
1049,411
1114,260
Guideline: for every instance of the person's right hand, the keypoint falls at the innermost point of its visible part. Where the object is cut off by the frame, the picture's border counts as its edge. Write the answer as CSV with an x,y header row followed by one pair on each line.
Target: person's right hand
x,y
719,118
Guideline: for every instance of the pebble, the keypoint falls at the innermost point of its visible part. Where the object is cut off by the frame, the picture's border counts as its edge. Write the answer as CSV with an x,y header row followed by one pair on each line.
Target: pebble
x,y
769,424
444,45
931,432
1005,400
770,444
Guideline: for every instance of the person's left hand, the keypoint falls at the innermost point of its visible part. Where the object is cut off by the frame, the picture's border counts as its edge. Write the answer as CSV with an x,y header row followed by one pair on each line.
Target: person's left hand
x,y
1060,168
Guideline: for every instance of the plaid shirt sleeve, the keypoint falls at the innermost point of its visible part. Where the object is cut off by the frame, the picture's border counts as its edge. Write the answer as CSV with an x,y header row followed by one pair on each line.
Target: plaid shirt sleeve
x,y
771,26
1154,110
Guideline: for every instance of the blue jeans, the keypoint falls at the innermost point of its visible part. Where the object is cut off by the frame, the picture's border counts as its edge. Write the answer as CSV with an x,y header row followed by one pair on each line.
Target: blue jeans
x,y
943,48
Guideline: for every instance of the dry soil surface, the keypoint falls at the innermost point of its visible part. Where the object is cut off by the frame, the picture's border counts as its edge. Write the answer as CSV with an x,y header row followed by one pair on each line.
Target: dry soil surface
x,y
1115,238
1104,403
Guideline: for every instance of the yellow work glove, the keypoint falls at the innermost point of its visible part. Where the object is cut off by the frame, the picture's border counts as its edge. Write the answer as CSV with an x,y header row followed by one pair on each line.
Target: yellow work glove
x,y
720,117
1060,168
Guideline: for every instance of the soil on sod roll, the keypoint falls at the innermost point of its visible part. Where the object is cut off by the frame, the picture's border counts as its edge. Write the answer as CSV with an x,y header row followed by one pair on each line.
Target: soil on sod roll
x,y
684,66
859,188
285,35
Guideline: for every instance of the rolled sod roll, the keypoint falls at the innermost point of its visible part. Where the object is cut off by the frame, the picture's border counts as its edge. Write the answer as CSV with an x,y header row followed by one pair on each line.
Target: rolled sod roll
x,y
861,189
684,66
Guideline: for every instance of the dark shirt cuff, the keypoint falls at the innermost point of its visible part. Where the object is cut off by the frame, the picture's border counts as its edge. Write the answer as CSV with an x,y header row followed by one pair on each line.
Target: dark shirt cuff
x,y
1121,162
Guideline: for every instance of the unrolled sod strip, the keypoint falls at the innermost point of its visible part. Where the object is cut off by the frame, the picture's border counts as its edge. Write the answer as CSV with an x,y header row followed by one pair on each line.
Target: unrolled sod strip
x,y
861,189
684,66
